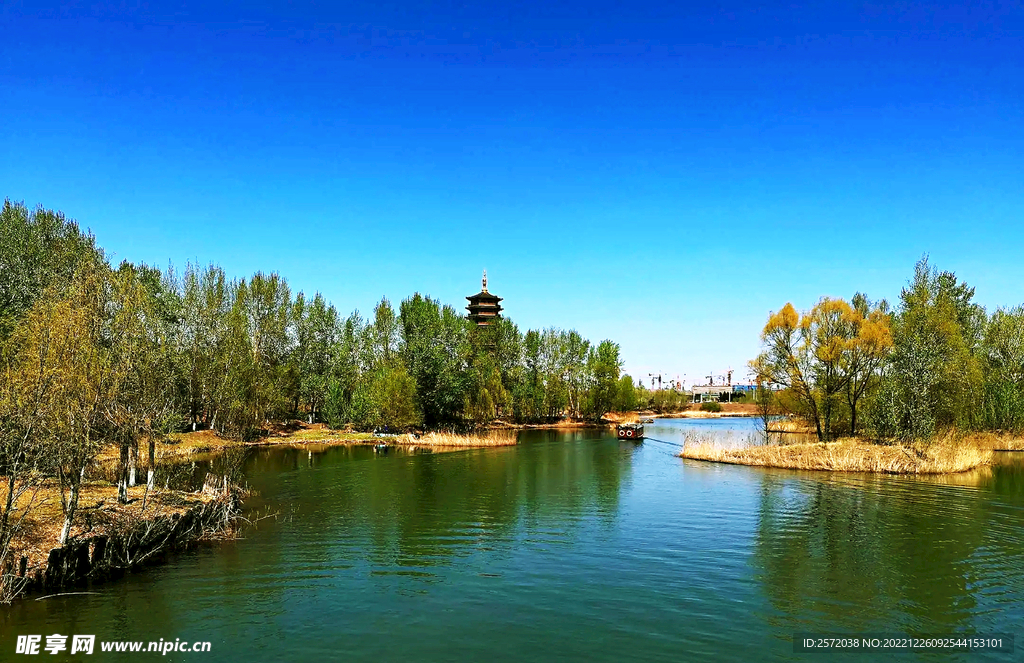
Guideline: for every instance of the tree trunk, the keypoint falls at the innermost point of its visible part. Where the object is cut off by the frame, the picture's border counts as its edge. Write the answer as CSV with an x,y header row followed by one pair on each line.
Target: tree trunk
x,y
122,475
7,510
72,507
151,475
133,461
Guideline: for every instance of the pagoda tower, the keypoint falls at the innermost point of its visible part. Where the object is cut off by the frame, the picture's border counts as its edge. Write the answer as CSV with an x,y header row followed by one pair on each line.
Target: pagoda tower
x,y
483,306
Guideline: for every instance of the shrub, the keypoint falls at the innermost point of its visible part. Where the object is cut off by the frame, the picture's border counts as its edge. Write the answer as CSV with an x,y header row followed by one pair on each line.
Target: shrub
x,y
710,406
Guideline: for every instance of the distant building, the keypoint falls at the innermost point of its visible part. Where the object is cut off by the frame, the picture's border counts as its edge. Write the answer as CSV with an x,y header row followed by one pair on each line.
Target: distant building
x,y
483,307
711,392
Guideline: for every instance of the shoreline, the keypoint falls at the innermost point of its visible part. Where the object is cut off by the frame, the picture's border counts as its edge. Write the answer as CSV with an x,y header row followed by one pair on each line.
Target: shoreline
x,y
692,414
109,539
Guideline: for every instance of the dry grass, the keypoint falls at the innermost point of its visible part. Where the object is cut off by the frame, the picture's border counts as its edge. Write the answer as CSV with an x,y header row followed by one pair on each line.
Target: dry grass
x,y
996,441
491,438
622,417
943,456
97,503
790,425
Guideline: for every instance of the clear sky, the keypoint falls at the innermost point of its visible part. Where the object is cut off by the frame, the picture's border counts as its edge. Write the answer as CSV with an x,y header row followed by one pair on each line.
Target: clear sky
x,y
661,174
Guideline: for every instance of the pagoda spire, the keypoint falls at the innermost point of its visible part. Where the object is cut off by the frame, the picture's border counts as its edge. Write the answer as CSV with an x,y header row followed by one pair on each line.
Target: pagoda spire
x,y
485,281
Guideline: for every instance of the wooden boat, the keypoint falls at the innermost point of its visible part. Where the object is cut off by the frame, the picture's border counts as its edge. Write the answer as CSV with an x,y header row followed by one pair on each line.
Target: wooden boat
x,y
630,431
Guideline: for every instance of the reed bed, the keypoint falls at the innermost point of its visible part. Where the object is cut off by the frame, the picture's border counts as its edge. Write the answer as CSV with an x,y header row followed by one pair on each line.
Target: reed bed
x,y
491,438
850,455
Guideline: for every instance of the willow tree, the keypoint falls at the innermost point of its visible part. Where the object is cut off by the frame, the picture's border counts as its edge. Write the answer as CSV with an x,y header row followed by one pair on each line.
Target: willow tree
x,y
73,328
28,371
935,375
831,351
866,351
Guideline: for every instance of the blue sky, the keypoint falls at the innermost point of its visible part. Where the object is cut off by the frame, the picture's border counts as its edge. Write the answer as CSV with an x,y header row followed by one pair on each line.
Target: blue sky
x,y
660,174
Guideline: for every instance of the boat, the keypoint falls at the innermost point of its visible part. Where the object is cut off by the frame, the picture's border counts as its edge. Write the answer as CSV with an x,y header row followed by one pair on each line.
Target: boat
x,y
630,431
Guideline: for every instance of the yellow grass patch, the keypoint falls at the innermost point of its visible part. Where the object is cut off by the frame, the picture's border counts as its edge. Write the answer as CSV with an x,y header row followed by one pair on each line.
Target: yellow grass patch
x,y
851,455
40,530
491,438
622,417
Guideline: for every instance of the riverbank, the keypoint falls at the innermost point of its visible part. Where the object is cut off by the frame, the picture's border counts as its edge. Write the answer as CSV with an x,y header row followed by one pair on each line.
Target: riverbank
x,y
182,447
108,538
944,455
692,411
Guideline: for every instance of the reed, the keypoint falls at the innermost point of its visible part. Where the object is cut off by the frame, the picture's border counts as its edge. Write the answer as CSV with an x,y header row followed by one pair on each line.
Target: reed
x,y
942,456
491,438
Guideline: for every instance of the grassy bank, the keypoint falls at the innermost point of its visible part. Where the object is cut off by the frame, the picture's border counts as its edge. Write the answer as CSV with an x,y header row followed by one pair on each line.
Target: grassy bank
x,y
99,514
944,455
182,447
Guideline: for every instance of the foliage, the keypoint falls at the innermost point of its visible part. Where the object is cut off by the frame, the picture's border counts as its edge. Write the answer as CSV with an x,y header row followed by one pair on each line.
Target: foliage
x,y
39,249
938,362
710,406
825,357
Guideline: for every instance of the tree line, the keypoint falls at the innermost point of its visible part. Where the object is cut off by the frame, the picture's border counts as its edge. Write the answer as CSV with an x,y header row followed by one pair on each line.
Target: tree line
x,y
937,361
95,355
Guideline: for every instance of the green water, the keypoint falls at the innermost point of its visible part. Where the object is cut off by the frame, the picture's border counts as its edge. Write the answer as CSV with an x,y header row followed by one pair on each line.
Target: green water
x,y
570,547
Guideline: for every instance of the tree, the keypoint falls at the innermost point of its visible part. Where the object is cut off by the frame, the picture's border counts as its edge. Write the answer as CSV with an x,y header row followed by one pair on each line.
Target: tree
x,y
831,351
383,334
434,350
626,395
866,351
1003,352
316,329
27,374
391,398
76,334
529,397
258,347
345,372
207,299
38,249
576,350
934,375
604,366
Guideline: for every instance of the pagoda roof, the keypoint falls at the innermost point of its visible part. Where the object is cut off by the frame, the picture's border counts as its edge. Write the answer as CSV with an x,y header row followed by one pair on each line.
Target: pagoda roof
x,y
483,294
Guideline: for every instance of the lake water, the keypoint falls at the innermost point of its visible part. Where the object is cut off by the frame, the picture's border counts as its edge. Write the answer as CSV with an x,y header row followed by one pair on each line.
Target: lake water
x,y
572,546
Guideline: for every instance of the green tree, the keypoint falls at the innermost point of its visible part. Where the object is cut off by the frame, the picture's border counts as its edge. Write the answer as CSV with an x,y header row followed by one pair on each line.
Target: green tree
x,y
316,329
934,375
626,395
38,249
259,345
434,350
604,365
1003,353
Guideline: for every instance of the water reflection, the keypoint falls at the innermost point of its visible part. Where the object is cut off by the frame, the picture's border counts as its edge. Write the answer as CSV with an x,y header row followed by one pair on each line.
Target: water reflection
x,y
859,553
407,514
